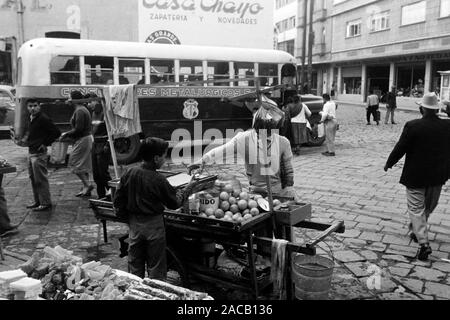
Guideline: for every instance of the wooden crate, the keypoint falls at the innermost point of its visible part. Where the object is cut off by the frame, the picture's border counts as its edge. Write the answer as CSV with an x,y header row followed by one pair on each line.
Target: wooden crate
x,y
293,214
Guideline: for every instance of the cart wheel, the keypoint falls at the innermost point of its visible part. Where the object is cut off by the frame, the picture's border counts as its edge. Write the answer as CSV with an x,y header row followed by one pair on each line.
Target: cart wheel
x,y
175,264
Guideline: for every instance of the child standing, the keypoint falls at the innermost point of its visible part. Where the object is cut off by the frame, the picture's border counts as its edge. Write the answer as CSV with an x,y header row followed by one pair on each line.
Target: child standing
x,y
142,195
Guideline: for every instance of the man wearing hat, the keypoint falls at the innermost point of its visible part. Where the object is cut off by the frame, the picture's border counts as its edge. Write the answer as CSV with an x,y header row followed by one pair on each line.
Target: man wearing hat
x,y
425,143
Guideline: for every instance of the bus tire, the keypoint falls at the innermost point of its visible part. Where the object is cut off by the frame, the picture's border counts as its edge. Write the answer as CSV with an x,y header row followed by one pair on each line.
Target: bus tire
x,y
313,139
127,149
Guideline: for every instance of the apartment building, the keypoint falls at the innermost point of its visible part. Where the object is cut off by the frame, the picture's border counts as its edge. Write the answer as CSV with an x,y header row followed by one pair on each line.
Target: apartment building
x,y
373,45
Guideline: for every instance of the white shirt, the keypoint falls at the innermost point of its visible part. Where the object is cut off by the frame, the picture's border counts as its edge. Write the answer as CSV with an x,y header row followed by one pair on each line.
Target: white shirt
x,y
329,111
301,117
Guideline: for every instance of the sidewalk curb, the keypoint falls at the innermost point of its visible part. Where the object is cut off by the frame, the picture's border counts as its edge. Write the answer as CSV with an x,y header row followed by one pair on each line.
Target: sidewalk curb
x,y
382,106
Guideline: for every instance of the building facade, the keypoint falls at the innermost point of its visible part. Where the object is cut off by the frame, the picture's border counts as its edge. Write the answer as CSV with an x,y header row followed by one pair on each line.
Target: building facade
x,y
374,45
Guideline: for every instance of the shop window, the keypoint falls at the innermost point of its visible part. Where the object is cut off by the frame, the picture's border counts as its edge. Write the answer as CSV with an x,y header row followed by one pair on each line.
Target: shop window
x,y
379,21
353,28
413,13
162,71
268,74
351,85
410,81
99,70
65,70
218,71
445,8
131,71
191,71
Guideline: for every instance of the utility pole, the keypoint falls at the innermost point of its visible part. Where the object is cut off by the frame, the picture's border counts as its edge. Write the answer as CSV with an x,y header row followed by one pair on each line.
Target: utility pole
x,y
310,44
302,70
21,32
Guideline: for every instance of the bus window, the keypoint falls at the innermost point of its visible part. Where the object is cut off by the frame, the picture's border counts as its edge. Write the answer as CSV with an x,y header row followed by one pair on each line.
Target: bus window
x,y
162,71
65,70
218,71
99,70
191,70
244,70
268,74
131,71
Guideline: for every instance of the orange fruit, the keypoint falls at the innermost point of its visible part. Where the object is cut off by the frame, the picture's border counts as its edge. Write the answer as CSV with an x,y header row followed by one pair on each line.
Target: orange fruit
x,y
242,204
244,196
228,188
225,205
224,196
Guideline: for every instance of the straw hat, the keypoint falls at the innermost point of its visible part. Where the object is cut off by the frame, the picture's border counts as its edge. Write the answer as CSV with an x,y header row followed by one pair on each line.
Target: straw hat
x,y
429,101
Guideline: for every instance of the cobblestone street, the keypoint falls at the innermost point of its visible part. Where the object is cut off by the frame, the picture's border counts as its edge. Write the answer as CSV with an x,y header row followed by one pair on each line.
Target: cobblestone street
x,y
351,186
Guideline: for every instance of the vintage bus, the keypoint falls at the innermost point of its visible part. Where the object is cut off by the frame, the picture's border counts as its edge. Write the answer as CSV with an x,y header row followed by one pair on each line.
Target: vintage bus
x,y
179,87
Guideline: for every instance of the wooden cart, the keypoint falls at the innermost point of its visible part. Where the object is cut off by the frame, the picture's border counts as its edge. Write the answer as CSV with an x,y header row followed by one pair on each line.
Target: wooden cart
x,y
185,232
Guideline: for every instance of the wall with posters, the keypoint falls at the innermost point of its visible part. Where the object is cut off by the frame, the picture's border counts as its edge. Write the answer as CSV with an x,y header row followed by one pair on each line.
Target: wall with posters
x,y
238,23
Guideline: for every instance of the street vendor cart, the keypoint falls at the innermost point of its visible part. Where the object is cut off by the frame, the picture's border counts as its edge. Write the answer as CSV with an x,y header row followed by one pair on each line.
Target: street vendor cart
x,y
186,235
196,241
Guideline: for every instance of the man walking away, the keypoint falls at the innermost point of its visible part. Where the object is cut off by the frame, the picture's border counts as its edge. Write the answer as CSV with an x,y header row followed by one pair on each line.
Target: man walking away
x,y
372,107
42,132
391,105
426,144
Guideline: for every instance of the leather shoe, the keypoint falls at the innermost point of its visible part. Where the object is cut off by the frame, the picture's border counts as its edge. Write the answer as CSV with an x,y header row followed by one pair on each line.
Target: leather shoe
x,y
424,252
32,206
329,154
10,232
43,208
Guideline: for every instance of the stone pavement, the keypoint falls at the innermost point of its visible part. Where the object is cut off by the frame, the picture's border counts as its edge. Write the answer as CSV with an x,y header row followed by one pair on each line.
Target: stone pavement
x,y
374,258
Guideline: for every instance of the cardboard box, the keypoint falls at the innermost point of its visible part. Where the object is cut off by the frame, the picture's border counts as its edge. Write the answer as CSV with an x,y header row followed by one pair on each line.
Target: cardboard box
x,y
293,213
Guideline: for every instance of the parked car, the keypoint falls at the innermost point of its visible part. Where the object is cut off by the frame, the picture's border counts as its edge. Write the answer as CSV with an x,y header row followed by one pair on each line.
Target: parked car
x,y
7,100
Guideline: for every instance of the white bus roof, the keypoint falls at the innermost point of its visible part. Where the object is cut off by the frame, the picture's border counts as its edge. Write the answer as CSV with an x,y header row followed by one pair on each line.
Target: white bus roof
x,y
37,54
42,46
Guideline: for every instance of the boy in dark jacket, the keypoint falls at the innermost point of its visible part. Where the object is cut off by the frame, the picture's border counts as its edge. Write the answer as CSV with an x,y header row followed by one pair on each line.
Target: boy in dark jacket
x,y
142,195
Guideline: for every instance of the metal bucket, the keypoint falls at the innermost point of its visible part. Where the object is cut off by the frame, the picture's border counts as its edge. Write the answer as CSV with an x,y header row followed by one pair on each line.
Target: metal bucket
x,y
312,276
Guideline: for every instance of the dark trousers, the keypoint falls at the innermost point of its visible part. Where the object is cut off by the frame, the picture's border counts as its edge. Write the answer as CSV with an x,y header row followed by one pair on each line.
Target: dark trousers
x,y
147,248
5,223
37,170
101,157
372,110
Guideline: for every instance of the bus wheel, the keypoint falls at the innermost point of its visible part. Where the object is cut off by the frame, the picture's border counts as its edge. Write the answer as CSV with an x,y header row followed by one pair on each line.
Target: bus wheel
x,y
313,139
127,149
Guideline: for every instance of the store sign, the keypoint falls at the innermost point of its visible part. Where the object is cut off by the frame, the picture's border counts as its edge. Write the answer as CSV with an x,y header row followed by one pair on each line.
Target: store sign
x,y
237,23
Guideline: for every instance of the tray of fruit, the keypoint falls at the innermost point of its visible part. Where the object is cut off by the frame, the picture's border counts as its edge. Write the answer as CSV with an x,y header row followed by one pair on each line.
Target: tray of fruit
x,y
237,211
